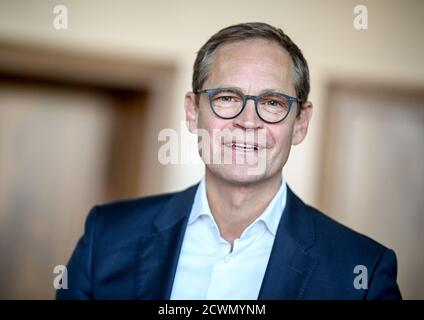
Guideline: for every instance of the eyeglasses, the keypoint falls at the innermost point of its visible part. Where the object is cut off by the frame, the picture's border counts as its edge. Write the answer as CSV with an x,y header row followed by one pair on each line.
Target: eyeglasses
x,y
228,103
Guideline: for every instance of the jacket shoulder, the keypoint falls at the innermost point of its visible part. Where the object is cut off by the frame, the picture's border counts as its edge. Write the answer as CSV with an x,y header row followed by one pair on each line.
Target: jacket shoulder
x,y
344,254
130,216
336,235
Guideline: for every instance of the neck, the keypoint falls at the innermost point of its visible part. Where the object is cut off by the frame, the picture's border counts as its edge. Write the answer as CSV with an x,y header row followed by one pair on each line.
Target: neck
x,y
236,206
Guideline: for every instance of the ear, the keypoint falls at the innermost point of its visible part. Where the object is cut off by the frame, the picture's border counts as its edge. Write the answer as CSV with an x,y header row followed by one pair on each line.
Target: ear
x,y
191,111
301,124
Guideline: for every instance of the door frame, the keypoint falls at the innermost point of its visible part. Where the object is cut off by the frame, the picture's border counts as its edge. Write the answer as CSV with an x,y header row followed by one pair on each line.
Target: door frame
x,y
103,70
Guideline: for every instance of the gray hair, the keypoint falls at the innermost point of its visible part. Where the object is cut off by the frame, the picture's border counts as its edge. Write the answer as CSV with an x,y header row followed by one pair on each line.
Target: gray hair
x,y
246,31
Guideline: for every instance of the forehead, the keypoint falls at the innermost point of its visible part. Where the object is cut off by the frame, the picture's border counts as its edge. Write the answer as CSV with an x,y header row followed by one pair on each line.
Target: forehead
x,y
251,63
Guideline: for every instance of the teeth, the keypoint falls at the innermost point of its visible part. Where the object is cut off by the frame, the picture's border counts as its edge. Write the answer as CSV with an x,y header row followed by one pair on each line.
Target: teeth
x,y
242,146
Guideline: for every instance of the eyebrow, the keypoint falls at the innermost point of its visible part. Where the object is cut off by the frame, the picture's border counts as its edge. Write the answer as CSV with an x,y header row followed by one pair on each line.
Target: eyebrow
x,y
267,90
271,90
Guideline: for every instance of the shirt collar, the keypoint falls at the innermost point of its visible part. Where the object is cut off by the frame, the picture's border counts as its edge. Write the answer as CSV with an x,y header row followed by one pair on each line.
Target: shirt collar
x,y
200,204
271,215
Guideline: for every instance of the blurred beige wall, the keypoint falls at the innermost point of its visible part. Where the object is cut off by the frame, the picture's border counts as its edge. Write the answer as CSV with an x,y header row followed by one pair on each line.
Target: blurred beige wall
x,y
390,50
389,53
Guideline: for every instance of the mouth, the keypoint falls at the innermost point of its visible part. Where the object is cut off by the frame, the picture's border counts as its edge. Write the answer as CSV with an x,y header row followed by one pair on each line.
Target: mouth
x,y
241,146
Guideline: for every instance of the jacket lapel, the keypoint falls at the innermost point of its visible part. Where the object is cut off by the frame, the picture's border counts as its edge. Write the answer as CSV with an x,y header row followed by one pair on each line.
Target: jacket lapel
x,y
158,253
288,271
290,266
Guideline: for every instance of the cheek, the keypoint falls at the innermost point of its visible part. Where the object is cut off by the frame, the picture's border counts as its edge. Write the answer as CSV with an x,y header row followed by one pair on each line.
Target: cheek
x,y
207,125
207,120
281,139
211,126
205,117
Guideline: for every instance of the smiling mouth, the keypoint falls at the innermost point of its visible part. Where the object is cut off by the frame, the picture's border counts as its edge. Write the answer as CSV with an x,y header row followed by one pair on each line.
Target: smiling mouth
x,y
242,146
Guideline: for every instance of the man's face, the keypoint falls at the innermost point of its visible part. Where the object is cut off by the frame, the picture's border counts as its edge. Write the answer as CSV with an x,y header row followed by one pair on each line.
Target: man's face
x,y
254,67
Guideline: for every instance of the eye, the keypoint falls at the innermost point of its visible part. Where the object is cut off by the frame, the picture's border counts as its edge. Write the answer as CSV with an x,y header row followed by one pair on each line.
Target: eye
x,y
270,102
273,103
226,98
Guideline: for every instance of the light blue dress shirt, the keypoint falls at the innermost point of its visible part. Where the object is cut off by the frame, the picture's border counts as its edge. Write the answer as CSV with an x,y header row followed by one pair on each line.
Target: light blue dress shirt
x,y
207,269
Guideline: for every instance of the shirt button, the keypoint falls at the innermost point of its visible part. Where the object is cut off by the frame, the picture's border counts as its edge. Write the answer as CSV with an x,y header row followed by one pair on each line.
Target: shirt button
x,y
227,258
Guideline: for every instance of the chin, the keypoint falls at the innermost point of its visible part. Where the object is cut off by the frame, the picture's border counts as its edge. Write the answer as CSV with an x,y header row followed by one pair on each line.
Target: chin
x,y
238,174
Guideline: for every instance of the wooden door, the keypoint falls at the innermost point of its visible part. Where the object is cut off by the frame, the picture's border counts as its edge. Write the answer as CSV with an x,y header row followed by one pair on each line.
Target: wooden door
x,y
373,171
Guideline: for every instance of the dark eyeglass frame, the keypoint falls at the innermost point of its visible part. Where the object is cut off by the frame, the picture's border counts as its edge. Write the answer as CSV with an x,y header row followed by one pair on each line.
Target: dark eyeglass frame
x,y
211,92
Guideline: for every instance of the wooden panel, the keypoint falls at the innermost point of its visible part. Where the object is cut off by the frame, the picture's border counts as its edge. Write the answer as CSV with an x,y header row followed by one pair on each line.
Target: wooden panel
x,y
373,172
75,129
63,149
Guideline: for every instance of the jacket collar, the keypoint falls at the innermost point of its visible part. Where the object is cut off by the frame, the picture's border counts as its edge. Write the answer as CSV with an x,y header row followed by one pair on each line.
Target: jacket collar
x,y
158,253
289,267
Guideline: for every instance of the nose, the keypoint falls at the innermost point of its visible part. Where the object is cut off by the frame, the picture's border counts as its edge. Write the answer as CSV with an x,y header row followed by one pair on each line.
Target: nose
x,y
248,119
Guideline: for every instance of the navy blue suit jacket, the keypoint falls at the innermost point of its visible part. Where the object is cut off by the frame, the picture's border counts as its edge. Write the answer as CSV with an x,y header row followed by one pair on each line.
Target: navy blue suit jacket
x,y
130,250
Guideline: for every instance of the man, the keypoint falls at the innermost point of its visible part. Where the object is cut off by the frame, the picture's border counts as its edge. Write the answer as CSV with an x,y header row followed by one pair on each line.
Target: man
x,y
241,233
